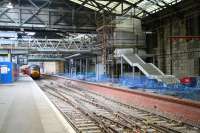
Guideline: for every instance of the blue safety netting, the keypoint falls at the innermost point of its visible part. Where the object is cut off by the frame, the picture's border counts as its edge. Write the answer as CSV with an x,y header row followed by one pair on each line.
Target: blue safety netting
x,y
152,85
80,76
139,82
142,83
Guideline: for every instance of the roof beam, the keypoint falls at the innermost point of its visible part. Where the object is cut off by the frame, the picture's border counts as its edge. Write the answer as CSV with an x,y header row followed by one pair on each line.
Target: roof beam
x,y
155,3
81,6
105,6
135,5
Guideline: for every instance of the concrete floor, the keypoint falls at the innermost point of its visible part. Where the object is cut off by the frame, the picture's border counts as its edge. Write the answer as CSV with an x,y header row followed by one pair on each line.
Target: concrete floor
x,y
25,109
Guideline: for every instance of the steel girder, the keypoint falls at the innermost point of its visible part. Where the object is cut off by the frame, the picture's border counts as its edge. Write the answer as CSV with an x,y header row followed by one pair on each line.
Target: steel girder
x,y
45,57
68,15
46,15
47,49
70,45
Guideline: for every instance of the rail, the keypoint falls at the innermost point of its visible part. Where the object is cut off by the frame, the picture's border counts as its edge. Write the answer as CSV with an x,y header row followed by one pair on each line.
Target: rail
x,y
107,115
182,109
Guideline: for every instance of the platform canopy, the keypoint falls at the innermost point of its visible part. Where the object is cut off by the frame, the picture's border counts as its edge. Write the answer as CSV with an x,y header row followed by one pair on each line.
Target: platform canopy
x,y
138,8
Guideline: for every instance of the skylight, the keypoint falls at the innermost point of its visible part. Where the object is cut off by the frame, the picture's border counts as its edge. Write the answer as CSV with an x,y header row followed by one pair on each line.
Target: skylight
x,y
141,7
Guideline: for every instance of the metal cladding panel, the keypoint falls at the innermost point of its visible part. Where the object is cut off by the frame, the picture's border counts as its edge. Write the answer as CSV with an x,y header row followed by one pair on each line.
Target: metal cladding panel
x,y
8,72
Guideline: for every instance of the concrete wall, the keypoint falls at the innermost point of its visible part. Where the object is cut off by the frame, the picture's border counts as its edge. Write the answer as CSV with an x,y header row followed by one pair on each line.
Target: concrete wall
x,y
128,33
179,57
53,67
128,24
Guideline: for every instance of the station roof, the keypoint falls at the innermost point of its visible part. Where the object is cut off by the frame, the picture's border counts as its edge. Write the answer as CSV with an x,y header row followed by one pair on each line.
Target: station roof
x,y
138,8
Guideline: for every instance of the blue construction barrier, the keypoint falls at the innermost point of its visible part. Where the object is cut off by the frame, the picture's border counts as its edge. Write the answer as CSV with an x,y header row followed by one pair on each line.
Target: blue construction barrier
x,y
9,72
138,82
144,83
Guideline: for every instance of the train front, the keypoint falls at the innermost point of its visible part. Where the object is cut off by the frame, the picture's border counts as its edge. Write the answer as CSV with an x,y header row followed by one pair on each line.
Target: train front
x,y
34,71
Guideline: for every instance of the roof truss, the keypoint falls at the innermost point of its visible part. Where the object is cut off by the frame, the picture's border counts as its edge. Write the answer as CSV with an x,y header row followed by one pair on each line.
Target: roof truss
x,y
138,8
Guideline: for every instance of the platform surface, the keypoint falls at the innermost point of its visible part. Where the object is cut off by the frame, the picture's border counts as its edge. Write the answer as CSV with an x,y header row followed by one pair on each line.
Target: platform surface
x,y
25,109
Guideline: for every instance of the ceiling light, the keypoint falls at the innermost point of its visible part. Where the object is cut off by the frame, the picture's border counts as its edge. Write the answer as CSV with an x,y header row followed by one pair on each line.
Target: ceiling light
x,y
30,33
71,56
9,5
149,32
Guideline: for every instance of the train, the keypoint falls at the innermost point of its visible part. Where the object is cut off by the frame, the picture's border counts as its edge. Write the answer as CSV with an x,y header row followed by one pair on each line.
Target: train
x,y
33,71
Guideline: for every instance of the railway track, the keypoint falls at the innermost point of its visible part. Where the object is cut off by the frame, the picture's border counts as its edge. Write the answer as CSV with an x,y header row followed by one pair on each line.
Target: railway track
x,y
91,112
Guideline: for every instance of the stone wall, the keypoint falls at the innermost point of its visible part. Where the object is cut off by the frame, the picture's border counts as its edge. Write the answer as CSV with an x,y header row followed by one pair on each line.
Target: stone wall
x,y
179,57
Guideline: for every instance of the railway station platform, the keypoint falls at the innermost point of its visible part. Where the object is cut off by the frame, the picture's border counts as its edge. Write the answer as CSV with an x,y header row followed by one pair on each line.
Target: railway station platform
x,y
24,108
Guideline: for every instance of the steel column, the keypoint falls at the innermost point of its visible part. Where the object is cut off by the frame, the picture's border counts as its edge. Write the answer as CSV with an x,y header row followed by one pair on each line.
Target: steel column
x,y
80,66
121,66
86,66
133,71
75,67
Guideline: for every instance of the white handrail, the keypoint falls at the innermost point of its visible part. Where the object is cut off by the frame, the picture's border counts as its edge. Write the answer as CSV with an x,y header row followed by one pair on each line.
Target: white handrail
x,y
156,68
159,76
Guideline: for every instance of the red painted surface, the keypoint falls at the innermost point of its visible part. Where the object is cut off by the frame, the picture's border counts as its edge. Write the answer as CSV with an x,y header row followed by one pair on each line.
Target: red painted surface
x,y
185,110
186,80
180,37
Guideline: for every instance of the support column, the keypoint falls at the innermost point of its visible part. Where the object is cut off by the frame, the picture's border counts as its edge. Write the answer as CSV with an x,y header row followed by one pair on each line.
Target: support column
x,y
133,71
9,55
86,66
170,51
108,68
75,66
96,69
68,67
71,67
121,66
116,69
80,65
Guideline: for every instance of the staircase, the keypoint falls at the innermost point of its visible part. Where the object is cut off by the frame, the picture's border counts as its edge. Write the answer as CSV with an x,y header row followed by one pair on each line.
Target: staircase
x,y
149,69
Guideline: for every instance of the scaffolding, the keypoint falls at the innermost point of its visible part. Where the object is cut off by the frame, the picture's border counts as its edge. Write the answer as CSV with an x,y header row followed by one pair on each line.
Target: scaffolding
x,y
114,35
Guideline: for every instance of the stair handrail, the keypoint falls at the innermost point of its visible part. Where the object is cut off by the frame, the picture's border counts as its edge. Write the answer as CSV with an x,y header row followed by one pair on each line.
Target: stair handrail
x,y
156,68
141,68
140,58
140,64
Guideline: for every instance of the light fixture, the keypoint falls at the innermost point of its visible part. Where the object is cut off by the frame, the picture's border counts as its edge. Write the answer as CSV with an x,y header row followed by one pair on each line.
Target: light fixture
x,y
71,56
149,32
9,5
30,33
